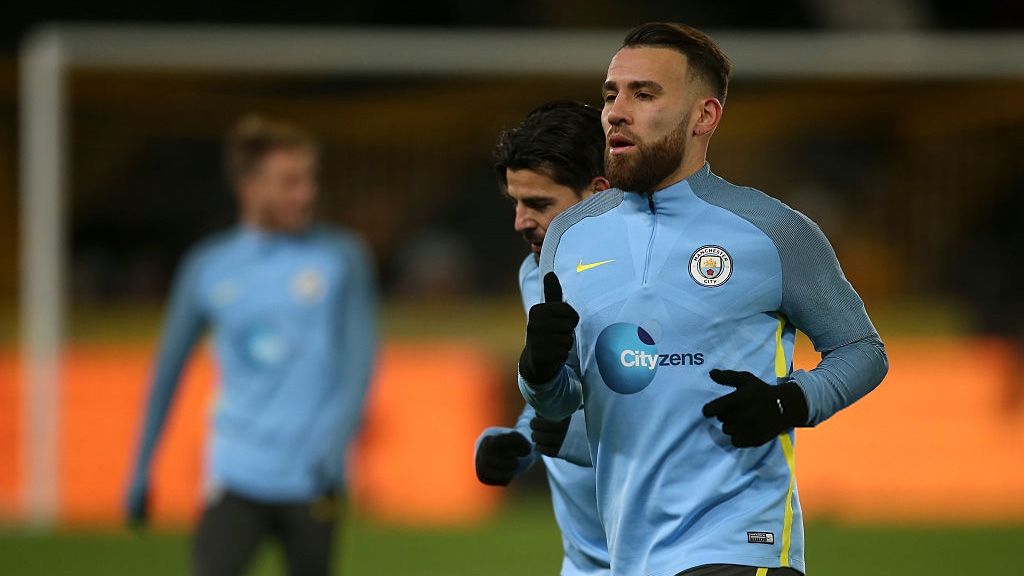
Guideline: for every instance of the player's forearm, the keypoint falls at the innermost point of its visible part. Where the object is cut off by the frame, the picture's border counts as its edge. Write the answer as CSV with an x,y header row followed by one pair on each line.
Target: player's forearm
x,y
161,395
156,413
355,384
362,340
358,348
843,376
182,331
557,399
523,422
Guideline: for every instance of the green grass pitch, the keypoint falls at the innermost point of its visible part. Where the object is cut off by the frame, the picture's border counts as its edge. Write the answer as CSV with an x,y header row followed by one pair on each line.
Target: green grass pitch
x,y
523,539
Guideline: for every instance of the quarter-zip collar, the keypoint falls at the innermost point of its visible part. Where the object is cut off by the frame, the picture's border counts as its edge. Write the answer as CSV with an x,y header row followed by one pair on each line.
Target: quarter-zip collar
x,y
671,200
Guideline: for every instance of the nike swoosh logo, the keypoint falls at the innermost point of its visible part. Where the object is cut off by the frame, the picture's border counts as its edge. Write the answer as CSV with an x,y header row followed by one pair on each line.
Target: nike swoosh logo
x,y
581,267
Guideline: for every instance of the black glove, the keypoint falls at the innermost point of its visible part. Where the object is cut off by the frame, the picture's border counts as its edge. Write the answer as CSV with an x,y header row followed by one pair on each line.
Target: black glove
x,y
549,334
757,411
498,456
138,505
548,435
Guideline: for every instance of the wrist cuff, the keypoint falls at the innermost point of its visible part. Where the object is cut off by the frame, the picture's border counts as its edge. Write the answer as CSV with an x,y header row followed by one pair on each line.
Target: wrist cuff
x,y
793,404
536,382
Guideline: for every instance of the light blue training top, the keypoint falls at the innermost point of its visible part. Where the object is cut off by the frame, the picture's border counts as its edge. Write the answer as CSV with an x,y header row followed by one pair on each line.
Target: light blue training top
x,y
294,326
700,275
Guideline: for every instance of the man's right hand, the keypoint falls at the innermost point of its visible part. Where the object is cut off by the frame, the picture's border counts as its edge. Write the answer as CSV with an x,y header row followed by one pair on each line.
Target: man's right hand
x,y
549,334
138,505
497,457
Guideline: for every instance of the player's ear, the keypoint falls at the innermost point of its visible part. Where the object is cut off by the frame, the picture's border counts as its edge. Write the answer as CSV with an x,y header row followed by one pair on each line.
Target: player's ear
x,y
709,114
600,184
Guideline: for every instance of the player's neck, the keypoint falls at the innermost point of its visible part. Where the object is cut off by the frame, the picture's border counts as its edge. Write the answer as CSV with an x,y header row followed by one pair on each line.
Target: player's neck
x,y
687,168
262,225
254,224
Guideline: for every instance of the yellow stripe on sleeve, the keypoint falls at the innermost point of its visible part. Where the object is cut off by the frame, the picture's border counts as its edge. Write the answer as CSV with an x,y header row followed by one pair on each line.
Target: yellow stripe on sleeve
x,y
761,572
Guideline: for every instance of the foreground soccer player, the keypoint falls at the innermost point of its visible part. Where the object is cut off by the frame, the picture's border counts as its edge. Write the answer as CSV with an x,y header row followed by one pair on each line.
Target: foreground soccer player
x,y
292,307
677,286
547,164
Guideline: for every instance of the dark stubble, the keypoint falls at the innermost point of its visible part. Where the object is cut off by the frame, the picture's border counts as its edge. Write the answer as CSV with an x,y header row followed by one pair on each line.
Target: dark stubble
x,y
650,164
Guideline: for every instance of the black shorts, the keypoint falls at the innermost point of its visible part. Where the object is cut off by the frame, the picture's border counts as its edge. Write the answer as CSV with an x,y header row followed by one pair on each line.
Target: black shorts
x,y
232,528
735,570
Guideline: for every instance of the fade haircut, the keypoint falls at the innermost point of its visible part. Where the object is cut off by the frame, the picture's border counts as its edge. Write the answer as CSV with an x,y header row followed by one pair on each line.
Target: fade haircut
x,y
563,140
705,59
254,137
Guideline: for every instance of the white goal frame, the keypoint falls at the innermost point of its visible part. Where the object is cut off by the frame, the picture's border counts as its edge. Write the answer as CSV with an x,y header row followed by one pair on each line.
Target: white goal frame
x,y
49,52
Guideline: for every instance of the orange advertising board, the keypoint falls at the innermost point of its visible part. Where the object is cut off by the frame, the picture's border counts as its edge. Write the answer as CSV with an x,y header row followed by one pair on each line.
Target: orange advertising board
x,y
937,441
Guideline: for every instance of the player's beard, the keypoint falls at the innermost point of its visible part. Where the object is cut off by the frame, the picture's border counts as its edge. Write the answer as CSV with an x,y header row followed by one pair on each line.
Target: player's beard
x,y
650,164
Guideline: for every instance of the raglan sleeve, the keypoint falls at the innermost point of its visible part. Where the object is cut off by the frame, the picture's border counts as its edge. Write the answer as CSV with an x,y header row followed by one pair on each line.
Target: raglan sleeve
x,y
819,301
357,341
184,323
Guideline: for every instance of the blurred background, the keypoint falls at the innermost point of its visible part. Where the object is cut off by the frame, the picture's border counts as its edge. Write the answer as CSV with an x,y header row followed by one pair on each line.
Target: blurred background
x,y
915,176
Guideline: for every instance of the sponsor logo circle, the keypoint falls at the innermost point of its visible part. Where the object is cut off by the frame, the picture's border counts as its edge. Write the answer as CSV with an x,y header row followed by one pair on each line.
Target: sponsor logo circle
x,y
627,357
710,266
264,345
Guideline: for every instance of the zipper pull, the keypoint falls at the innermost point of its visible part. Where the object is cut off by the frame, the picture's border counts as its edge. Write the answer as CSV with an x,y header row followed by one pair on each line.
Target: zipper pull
x,y
650,201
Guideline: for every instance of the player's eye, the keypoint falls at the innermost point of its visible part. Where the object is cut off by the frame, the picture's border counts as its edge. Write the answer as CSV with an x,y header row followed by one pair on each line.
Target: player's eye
x,y
644,96
609,98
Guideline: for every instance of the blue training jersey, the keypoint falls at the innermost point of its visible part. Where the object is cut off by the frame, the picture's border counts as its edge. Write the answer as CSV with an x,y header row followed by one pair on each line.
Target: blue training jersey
x,y
700,275
293,320
570,475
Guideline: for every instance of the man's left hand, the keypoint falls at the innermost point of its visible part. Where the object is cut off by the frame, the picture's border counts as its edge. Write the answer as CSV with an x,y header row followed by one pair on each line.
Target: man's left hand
x,y
756,411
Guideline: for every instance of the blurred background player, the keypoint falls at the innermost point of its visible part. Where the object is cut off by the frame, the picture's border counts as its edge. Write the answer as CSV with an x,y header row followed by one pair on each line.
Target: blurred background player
x,y
550,162
292,309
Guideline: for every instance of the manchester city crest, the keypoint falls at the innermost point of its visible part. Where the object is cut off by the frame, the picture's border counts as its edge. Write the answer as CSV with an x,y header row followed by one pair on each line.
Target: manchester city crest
x,y
710,266
308,286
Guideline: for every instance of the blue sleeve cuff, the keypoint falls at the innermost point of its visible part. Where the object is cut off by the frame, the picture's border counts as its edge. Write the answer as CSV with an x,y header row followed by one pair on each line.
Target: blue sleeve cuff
x,y
843,376
557,399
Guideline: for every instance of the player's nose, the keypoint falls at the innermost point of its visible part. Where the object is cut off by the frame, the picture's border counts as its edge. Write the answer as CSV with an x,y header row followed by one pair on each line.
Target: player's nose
x,y
303,193
523,221
617,112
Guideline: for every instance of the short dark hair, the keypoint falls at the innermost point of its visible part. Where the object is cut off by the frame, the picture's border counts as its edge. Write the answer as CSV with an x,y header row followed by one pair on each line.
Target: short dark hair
x,y
562,139
705,59
254,136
